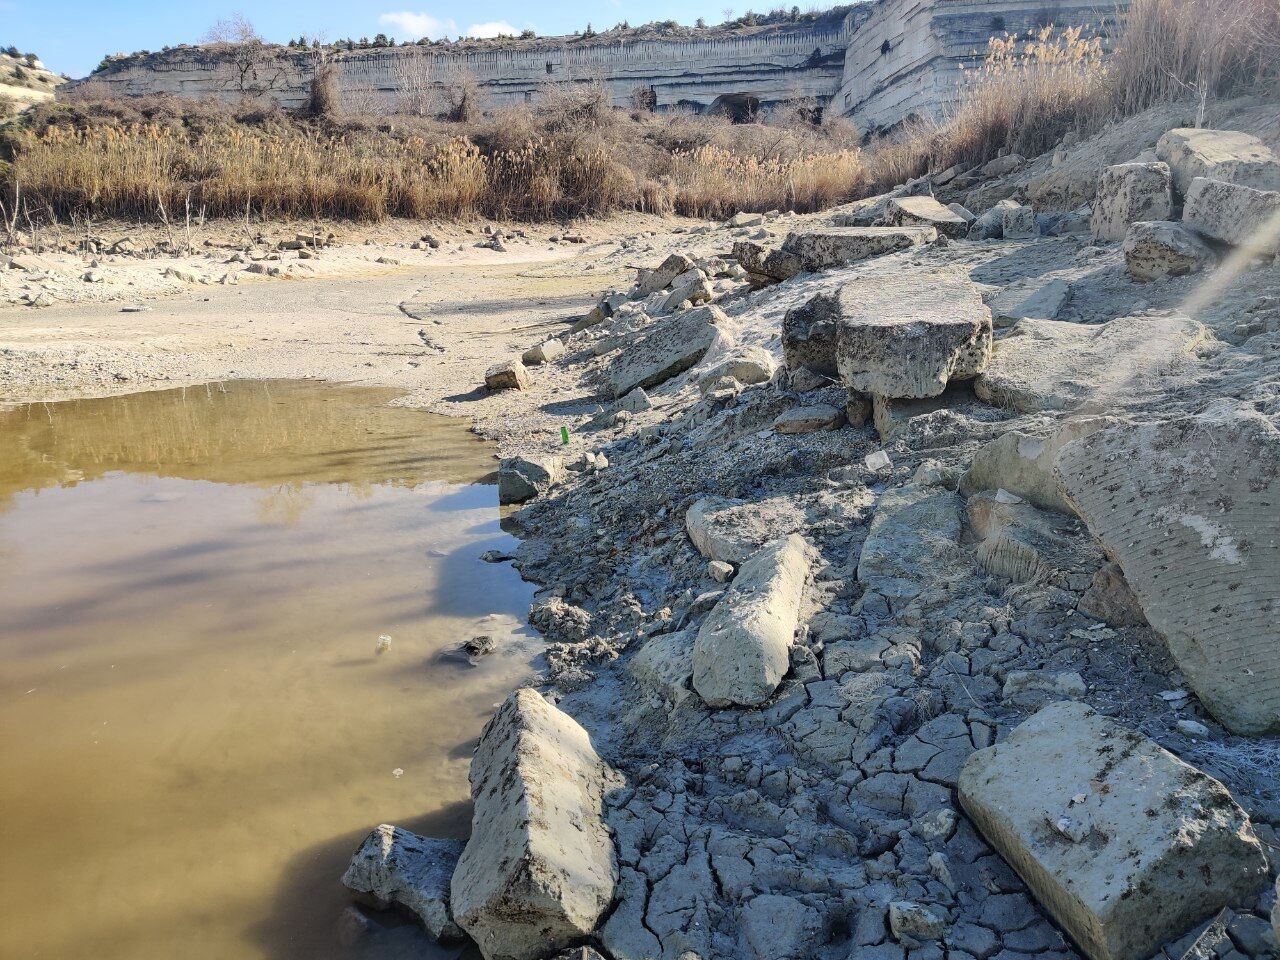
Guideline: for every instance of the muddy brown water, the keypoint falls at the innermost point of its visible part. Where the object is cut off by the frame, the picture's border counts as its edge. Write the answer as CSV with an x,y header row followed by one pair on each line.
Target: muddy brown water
x,y
196,729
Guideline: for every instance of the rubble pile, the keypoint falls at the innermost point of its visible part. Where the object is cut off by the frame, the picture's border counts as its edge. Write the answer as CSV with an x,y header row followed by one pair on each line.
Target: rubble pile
x,y
879,629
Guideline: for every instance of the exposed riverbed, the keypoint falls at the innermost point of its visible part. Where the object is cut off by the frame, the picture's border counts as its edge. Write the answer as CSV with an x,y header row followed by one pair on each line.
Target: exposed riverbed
x,y
196,727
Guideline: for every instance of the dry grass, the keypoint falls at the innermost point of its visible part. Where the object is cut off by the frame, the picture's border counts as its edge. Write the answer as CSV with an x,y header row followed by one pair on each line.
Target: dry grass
x,y
574,154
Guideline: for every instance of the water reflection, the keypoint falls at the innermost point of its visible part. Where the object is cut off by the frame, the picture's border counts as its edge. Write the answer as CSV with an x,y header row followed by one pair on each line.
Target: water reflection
x,y
195,728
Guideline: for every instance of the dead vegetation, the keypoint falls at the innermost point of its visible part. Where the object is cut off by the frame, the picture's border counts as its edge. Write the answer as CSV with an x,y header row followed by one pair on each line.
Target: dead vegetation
x,y
436,154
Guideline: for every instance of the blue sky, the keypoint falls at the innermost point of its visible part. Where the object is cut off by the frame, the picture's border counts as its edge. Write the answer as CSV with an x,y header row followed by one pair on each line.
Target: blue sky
x,y
71,36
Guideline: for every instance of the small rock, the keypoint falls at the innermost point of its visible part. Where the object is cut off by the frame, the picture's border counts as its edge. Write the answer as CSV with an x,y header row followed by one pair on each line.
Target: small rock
x,y
510,375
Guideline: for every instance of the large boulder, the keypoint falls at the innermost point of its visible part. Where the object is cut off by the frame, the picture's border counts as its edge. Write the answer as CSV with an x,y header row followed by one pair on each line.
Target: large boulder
x,y
830,247
911,544
523,478
1158,249
743,647
1127,193
1227,155
666,349
539,869
766,264
926,212
1121,842
397,867
1056,365
1240,216
1190,509
905,336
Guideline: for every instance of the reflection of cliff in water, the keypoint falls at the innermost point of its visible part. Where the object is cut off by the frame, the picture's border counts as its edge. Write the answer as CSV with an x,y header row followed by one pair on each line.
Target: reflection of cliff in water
x,y
280,433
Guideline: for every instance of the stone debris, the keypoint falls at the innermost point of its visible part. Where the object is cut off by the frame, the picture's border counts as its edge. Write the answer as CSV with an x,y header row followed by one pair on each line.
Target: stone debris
x,y
1055,365
1195,501
926,212
520,479
539,869
898,338
1128,193
835,247
1226,155
746,365
543,352
1124,844
397,867
1238,215
742,650
1158,249
510,375
1034,300
665,350
734,530
766,264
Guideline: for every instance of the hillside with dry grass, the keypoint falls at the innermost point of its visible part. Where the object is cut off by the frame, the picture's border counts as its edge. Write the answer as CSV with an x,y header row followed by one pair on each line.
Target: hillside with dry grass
x,y
573,154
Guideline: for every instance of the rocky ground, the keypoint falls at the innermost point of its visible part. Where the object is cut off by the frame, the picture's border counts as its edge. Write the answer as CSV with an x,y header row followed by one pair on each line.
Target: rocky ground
x,y
910,578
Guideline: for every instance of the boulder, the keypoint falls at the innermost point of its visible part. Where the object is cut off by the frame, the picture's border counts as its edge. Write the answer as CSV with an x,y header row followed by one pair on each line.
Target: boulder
x,y
809,419
543,352
690,287
1034,299
1110,598
1157,249
665,350
1055,365
911,543
926,212
1023,464
990,224
1190,510
832,247
1226,155
1002,165
733,531
1127,193
397,867
1019,223
664,665
1240,216
510,375
523,478
899,336
539,869
1121,842
809,335
651,281
765,264
743,648
747,365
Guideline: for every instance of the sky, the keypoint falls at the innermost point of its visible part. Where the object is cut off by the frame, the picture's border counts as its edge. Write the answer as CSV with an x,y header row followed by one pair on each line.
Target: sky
x,y
72,36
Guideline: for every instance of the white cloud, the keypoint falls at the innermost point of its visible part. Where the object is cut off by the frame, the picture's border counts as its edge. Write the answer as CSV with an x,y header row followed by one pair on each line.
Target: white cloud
x,y
495,28
418,25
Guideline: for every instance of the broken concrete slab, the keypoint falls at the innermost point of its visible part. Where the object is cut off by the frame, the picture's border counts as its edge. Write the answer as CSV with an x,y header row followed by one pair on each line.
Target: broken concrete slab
x,y
1127,193
733,530
1190,509
809,334
510,375
898,336
1056,365
543,352
522,478
742,651
1023,463
1121,842
1227,155
664,665
809,419
539,870
1158,249
912,542
398,867
746,365
665,349
1034,299
828,248
766,264
651,281
1240,216
926,212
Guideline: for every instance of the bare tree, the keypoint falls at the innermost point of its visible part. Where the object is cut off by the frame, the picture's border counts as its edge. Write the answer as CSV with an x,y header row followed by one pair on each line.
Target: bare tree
x,y
257,68
419,92
234,29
